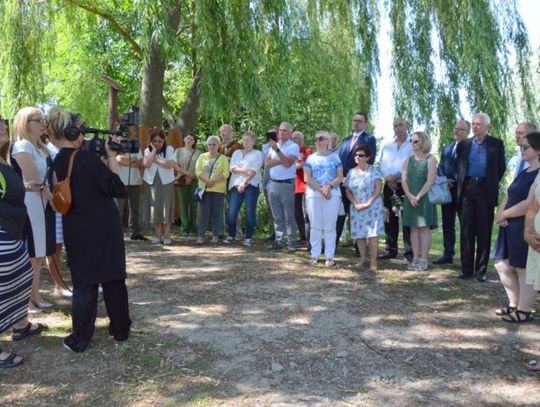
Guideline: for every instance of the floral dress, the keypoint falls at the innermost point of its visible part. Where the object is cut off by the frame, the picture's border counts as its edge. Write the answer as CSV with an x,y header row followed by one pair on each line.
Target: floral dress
x,y
368,222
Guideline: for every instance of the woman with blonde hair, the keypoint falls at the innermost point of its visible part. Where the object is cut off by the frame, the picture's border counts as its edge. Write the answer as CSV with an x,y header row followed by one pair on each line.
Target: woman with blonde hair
x,y
29,159
419,173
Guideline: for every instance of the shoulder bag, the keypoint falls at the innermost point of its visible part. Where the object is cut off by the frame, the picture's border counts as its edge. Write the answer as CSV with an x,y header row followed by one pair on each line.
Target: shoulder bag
x,y
181,180
439,192
62,191
199,192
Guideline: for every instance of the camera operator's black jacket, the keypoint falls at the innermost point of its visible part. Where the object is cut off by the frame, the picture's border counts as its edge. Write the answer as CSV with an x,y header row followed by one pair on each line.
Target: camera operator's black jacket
x,y
92,229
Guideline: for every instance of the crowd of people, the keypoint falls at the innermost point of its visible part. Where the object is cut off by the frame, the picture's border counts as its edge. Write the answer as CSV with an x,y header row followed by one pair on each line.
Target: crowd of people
x,y
310,194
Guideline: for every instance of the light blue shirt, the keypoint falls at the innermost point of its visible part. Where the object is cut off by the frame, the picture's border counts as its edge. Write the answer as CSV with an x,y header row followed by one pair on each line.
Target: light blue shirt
x,y
477,159
323,170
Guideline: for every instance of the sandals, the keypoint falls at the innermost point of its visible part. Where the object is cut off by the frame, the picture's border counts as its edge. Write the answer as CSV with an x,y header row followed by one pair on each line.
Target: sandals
x,y
518,317
507,309
10,361
533,366
20,334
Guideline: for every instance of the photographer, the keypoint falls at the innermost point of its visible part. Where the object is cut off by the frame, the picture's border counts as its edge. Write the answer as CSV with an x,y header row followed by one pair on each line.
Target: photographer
x,y
92,236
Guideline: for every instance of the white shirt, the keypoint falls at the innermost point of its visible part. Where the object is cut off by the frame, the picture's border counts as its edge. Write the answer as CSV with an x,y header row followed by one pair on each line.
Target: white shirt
x,y
53,150
128,174
166,174
514,163
392,158
252,160
38,156
279,172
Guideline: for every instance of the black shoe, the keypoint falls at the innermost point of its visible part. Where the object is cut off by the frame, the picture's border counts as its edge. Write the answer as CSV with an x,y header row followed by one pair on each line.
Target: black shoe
x,y
408,257
138,237
464,276
387,256
271,238
444,260
276,246
481,278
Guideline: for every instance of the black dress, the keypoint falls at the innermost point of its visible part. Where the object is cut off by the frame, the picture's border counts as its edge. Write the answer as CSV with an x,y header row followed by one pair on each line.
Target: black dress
x,y
92,228
510,243
94,246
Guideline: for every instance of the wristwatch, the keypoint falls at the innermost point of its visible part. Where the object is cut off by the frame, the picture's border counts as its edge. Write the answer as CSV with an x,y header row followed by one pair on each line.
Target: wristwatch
x,y
277,150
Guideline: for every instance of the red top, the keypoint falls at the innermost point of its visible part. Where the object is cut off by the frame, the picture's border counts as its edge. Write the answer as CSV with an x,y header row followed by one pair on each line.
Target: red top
x,y
300,183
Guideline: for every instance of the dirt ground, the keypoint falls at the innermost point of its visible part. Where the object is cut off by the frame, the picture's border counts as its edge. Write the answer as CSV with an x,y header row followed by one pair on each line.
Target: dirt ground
x,y
236,326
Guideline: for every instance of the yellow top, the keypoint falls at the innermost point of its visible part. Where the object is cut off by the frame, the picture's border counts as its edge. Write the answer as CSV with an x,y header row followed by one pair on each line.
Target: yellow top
x,y
204,164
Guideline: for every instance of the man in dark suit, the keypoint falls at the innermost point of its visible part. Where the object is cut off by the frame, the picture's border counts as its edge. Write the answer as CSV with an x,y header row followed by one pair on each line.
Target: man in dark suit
x,y
480,167
358,137
447,168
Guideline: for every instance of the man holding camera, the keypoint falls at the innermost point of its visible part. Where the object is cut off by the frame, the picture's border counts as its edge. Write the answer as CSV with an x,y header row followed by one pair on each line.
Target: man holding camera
x,y
128,166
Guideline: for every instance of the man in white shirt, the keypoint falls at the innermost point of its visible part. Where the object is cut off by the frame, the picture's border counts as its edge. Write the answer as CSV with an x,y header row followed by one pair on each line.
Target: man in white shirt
x,y
516,164
393,156
280,161
128,171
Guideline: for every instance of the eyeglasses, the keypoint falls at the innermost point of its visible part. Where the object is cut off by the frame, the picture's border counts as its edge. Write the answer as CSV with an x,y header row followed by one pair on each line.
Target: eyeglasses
x,y
42,121
458,129
525,147
360,155
320,138
416,141
359,121
211,144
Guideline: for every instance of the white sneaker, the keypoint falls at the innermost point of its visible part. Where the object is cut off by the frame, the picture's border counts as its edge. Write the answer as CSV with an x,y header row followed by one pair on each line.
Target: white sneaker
x,y
413,265
228,240
156,241
248,242
200,241
214,239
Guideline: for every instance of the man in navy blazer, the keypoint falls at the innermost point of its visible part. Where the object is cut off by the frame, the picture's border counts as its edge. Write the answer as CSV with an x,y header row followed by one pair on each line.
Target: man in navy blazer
x,y
358,137
480,167
447,168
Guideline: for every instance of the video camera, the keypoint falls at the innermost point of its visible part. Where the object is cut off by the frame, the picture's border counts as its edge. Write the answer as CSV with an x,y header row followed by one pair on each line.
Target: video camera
x,y
125,145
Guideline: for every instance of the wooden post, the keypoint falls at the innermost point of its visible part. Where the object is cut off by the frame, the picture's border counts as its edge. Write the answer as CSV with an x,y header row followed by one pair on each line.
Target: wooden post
x,y
114,89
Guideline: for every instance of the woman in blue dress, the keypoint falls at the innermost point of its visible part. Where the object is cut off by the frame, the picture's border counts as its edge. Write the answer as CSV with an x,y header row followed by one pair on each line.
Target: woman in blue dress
x,y
510,252
363,189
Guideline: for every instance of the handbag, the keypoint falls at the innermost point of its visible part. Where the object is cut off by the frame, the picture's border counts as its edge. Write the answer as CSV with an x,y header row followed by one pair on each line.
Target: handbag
x,y
199,192
181,180
62,199
439,192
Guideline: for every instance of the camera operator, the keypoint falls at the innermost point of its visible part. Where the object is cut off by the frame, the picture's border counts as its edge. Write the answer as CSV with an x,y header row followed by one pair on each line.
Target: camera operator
x,y
92,235
128,166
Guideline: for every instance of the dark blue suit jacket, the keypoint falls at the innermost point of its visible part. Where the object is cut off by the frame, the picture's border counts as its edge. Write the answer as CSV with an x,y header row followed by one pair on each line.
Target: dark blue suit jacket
x,y
346,153
447,166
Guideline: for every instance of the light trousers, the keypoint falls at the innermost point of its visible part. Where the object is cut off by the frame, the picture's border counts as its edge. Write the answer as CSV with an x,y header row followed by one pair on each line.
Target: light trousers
x,y
323,215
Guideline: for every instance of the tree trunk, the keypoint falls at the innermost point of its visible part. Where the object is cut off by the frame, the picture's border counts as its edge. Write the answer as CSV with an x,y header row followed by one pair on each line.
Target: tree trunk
x,y
152,89
189,116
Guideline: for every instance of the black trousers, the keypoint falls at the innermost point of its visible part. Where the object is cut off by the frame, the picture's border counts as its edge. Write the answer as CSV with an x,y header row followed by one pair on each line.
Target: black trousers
x,y
449,212
301,216
391,227
476,218
84,311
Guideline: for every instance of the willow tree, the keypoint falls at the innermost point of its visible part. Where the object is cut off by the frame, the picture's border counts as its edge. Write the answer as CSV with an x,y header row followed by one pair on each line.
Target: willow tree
x,y
256,62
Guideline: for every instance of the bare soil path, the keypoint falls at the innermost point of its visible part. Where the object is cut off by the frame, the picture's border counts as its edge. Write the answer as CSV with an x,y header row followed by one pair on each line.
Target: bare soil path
x,y
235,326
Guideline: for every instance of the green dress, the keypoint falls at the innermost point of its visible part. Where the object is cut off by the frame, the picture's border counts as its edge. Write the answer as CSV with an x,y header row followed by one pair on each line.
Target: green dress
x,y
424,214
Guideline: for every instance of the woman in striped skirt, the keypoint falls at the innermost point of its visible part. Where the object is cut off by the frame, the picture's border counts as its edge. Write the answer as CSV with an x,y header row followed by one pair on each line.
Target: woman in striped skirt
x,y
15,268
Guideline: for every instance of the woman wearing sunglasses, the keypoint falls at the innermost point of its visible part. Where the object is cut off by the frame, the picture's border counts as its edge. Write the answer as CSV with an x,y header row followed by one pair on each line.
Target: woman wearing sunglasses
x,y
419,173
510,252
323,173
29,159
363,189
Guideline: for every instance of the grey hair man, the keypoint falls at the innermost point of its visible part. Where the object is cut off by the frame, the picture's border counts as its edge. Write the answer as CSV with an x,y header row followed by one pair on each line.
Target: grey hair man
x,y
282,156
516,164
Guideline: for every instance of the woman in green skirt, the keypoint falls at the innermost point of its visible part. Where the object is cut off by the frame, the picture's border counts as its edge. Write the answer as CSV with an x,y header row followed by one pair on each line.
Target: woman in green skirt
x,y
419,173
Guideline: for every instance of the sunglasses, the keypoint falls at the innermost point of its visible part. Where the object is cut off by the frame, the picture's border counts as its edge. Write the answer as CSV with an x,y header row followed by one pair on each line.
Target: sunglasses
x,y
525,147
360,155
320,138
416,141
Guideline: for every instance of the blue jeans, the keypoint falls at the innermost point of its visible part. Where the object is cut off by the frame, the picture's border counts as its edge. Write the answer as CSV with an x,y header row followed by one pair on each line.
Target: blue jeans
x,y
211,208
250,195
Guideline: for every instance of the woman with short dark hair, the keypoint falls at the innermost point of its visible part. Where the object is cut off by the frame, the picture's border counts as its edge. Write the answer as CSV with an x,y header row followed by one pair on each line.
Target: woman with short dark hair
x,y
511,251
363,189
